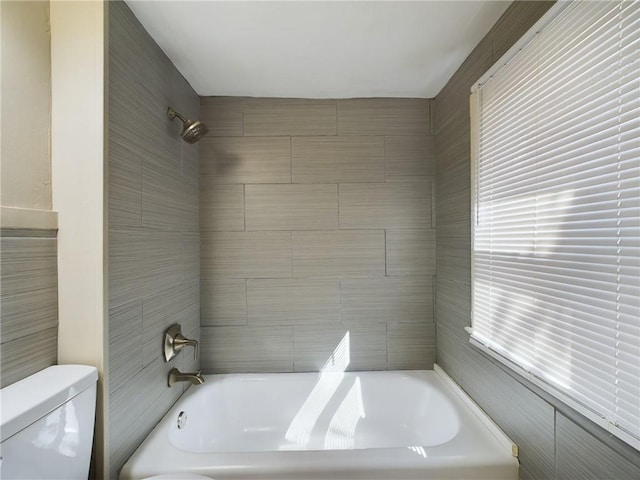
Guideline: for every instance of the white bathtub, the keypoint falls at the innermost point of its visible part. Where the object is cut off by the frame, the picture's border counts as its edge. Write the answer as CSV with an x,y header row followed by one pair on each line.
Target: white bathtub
x,y
358,425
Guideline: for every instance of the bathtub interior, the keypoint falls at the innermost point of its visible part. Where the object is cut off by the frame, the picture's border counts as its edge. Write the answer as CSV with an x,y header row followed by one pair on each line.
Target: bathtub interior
x,y
327,411
374,425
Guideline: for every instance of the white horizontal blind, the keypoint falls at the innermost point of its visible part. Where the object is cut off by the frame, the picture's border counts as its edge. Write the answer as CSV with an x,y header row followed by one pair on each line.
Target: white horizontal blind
x,y
556,238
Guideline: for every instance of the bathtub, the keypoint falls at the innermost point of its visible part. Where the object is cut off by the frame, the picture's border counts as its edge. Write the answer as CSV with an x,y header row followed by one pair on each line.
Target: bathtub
x,y
332,425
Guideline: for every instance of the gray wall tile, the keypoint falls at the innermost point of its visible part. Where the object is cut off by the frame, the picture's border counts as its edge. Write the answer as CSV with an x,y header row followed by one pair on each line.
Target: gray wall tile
x,y
581,456
387,299
246,160
125,336
411,251
409,156
337,159
125,181
221,206
347,253
383,116
27,355
137,404
290,167
247,349
291,207
246,254
411,346
385,205
293,302
223,115
289,116
223,301
338,347
28,286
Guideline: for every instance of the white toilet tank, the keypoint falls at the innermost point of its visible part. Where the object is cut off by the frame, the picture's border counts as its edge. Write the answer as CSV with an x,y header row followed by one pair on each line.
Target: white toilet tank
x,y
46,424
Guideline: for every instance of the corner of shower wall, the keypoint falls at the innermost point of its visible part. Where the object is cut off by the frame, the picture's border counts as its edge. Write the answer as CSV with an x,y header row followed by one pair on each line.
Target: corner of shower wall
x,y
154,238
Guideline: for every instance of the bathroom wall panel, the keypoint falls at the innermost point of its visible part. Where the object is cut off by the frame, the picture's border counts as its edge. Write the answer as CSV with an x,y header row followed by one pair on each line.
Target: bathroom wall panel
x,y
387,299
223,116
136,407
340,253
125,181
125,336
293,302
165,197
291,207
154,239
246,254
190,258
28,286
339,347
337,159
246,160
411,346
383,116
246,349
27,355
287,182
411,252
385,205
28,303
289,116
223,301
409,156
221,206
190,165
581,456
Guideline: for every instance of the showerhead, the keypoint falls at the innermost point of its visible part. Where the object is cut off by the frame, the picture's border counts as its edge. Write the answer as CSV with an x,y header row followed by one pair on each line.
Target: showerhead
x,y
192,130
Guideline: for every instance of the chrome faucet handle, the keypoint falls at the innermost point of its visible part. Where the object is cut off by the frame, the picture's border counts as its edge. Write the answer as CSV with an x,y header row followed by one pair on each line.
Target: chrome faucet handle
x,y
174,341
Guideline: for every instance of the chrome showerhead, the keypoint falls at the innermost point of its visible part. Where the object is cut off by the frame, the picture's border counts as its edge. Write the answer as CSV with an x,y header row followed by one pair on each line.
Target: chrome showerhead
x,y
192,130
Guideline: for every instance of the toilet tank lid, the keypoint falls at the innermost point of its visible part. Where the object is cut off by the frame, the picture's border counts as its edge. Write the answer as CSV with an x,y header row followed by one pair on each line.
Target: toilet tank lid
x,y
26,401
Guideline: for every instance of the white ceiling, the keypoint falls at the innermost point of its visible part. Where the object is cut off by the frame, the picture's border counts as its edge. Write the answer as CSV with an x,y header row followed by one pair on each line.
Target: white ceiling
x,y
326,49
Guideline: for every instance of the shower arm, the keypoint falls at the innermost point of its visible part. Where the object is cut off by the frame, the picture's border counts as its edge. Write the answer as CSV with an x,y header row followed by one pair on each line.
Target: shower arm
x,y
171,113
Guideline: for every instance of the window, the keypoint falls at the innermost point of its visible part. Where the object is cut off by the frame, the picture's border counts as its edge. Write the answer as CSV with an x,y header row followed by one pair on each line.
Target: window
x,y
556,210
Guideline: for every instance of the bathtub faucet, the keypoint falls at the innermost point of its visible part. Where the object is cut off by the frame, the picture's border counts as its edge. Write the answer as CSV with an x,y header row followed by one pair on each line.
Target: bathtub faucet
x,y
176,375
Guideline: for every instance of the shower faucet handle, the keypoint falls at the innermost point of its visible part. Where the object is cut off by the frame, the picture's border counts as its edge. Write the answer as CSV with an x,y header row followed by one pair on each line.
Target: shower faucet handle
x,y
174,341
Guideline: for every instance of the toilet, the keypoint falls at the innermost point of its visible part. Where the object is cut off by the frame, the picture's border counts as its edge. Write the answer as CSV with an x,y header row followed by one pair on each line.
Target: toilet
x,y
46,424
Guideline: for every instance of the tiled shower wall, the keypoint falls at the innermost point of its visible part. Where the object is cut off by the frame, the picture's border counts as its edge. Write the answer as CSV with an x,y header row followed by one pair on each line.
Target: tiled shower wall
x,y
317,227
28,303
555,443
154,235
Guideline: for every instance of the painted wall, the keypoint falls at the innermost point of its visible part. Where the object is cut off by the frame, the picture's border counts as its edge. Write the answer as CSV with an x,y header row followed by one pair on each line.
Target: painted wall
x,y
317,224
28,270
554,442
25,160
153,233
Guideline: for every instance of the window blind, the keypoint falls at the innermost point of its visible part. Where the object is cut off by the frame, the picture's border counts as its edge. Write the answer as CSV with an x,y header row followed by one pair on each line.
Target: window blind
x,y
556,228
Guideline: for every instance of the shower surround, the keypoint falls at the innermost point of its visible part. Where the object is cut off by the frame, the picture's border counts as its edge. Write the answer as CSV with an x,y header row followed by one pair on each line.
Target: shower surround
x,y
317,227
